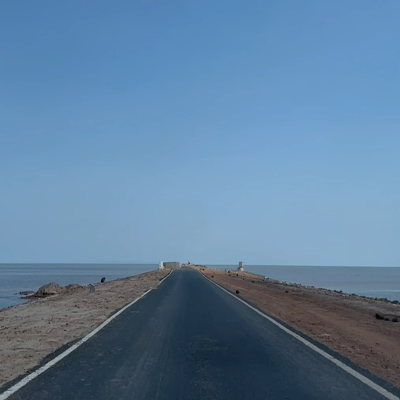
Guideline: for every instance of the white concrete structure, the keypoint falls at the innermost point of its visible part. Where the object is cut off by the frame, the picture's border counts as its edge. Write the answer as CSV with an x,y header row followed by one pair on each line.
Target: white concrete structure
x,y
161,265
172,264
241,266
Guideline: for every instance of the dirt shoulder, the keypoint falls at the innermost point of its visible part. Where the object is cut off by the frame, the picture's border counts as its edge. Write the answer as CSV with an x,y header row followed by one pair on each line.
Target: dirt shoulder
x,y
345,323
29,332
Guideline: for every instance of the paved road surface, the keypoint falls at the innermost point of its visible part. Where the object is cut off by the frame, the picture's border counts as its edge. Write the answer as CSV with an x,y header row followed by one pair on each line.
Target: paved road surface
x,y
188,339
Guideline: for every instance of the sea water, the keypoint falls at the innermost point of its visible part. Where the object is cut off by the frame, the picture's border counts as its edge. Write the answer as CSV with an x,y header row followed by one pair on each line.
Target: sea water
x,y
15,278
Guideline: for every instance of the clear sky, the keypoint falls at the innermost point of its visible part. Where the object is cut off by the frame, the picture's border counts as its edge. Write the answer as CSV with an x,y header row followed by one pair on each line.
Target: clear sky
x,y
209,131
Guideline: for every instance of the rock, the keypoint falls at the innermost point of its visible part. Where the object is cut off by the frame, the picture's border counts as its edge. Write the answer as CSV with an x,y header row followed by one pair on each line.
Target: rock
x,y
50,289
26,292
395,302
387,319
103,279
395,320
92,288
72,287
286,291
379,316
237,291
212,276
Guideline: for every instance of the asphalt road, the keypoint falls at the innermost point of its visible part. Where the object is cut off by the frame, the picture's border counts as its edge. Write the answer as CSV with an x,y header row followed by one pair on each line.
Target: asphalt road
x,y
188,339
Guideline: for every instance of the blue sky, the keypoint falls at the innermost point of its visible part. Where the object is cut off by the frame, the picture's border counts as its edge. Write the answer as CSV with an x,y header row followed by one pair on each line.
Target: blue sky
x,y
263,131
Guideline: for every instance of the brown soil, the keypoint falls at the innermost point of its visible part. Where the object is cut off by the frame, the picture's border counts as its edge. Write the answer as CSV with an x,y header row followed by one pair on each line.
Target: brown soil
x,y
29,332
345,323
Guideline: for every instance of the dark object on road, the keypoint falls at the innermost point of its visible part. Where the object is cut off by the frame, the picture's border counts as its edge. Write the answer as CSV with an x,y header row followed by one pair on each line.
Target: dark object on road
x,y
379,316
395,320
237,291
103,279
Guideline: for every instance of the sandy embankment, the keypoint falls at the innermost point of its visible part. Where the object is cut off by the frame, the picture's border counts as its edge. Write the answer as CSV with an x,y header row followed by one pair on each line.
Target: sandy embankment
x,y
29,332
344,323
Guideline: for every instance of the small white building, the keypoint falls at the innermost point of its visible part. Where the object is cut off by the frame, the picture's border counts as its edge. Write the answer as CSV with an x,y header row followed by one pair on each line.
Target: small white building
x,y
172,264
161,265
241,266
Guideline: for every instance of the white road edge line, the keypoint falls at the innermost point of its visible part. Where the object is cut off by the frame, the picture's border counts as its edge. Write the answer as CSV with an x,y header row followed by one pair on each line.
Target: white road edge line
x,y
340,364
55,360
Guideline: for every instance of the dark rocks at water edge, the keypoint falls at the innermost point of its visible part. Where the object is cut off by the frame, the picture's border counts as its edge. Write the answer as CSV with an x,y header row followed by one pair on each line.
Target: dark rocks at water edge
x,y
27,293
51,289
103,279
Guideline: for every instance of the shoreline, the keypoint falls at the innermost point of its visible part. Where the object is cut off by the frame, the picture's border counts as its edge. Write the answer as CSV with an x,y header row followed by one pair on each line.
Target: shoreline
x,y
354,292
31,331
345,323
31,276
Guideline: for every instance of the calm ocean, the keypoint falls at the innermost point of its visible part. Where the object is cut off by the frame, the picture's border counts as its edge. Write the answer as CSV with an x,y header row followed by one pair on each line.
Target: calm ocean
x,y
15,278
366,281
